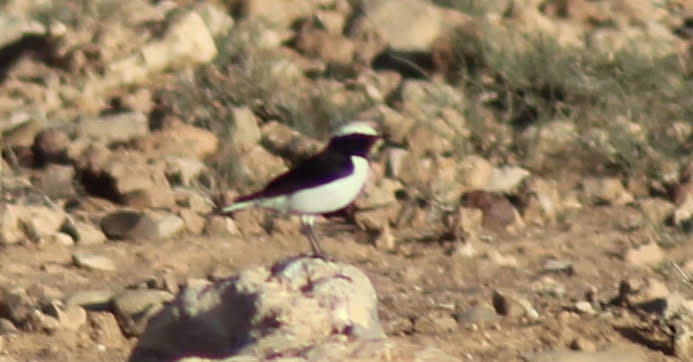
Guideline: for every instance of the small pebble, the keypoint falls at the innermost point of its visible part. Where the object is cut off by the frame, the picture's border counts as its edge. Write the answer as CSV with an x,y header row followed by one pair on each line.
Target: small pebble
x,y
93,262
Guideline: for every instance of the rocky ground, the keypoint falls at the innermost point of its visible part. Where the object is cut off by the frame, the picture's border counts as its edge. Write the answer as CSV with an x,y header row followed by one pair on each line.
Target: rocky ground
x,y
532,199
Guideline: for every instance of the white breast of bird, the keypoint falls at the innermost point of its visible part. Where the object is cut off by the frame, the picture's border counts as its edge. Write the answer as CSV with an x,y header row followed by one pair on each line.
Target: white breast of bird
x,y
333,195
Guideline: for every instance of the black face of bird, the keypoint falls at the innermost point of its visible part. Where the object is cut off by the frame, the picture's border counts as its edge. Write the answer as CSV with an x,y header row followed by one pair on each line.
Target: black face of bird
x,y
356,144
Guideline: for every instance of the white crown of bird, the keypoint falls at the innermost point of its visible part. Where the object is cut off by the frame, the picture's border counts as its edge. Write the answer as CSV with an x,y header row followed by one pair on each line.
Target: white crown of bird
x,y
357,127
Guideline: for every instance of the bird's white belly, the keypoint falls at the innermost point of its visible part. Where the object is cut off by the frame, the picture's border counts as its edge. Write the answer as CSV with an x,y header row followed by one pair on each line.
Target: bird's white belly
x,y
333,195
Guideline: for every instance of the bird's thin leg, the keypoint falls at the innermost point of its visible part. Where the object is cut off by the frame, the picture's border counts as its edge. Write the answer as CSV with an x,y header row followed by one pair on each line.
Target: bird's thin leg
x,y
307,222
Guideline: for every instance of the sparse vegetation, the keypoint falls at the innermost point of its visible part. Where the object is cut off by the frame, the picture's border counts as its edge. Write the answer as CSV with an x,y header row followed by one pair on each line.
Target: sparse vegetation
x,y
530,79
267,81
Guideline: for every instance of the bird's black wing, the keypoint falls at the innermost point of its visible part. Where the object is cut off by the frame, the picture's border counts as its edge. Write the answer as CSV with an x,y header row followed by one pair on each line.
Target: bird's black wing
x,y
315,171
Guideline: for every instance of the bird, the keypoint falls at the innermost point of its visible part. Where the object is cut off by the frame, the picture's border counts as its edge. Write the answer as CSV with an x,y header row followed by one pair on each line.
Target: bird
x,y
322,184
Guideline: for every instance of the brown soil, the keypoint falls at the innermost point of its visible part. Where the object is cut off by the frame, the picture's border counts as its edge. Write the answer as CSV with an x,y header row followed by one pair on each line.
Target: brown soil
x,y
420,286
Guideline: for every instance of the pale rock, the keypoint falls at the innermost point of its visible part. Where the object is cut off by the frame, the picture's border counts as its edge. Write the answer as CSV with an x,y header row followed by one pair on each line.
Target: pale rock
x,y
645,255
147,225
183,170
446,183
465,249
93,262
544,202
106,330
250,222
24,135
14,26
84,233
246,131
513,305
502,260
16,305
656,210
314,42
194,223
40,222
28,222
186,42
80,147
44,294
283,140
406,25
606,189
183,140
7,327
506,178
558,266
165,225
11,182
395,125
547,286
93,299
457,123
133,301
59,238
57,181
378,86
469,222
71,317
379,193
475,172
38,321
169,283
418,172
14,120
116,128
127,177
684,212
191,199
135,307
394,158
385,240
376,219
584,307
139,101
219,225
423,140
197,283
289,72
217,19
326,310
260,166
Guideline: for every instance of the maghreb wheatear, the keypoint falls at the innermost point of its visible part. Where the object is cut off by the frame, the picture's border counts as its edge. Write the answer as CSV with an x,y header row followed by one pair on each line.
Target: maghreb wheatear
x,y
322,184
